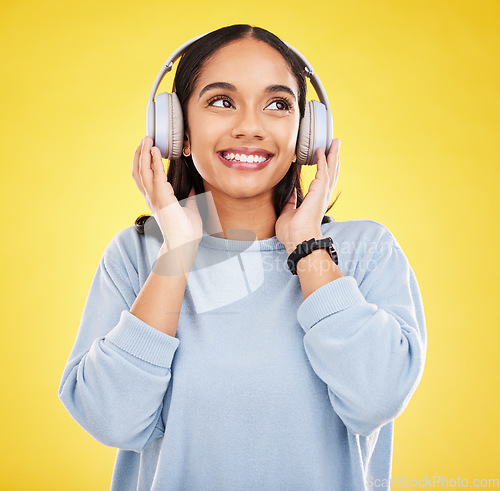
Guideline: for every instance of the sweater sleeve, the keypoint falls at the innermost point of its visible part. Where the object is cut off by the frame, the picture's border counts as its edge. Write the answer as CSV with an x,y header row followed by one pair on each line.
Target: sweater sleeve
x,y
367,342
120,367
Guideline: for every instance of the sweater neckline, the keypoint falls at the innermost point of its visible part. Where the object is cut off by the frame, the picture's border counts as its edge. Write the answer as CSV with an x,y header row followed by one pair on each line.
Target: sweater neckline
x,y
271,244
221,243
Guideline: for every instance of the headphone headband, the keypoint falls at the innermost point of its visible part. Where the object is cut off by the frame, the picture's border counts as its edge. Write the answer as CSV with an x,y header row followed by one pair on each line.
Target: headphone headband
x,y
309,73
320,91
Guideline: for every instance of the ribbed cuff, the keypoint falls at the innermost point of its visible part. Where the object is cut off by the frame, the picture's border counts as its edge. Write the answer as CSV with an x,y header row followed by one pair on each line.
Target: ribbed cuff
x,y
333,297
143,341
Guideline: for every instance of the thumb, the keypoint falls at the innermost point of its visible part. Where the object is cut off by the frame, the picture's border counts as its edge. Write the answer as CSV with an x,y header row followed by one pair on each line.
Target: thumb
x,y
191,200
292,202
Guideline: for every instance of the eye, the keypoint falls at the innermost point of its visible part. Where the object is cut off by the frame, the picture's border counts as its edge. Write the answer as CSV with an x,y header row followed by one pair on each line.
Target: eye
x,y
279,105
220,101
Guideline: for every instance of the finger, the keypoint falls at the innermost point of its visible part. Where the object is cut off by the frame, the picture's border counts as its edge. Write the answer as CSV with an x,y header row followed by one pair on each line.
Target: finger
x,y
145,171
337,168
320,181
190,201
333,159
159,175
135,168
163,190
334,164
291,203
321,160
212,223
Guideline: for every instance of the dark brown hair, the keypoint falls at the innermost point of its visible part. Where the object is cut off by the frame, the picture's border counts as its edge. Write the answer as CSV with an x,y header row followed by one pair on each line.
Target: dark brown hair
x,y
182,173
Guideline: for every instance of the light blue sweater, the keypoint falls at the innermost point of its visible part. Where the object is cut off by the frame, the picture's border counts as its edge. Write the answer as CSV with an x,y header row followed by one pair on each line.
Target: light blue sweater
x,y
259,389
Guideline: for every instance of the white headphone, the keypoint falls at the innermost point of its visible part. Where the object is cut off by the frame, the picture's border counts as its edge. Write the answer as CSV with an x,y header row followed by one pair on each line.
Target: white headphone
x,y
165,123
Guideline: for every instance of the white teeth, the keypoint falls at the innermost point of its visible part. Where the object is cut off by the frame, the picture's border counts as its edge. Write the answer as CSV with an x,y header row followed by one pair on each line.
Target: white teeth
x,y
244,158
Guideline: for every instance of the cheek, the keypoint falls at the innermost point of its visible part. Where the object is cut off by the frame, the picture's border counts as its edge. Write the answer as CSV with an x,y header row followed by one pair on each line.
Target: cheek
x,y
287,135
203,138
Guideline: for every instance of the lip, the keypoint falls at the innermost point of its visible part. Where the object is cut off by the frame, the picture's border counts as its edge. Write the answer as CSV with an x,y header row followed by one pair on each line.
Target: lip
x,y
246,151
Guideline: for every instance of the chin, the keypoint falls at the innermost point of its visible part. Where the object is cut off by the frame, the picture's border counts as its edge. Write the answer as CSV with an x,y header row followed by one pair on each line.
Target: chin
x,y
243,193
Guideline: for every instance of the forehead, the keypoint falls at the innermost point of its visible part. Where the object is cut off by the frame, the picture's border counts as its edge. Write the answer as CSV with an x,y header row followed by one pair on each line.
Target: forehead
x,y
248,60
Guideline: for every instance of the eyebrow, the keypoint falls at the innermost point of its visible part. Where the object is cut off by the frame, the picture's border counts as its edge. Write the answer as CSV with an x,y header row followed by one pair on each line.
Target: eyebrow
x,y
231,87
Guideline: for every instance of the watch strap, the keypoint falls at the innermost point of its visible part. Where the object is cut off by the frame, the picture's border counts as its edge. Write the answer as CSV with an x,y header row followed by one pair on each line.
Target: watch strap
x,y
307,247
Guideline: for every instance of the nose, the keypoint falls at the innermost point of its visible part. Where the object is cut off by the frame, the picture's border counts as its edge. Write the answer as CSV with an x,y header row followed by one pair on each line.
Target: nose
x,y
248,124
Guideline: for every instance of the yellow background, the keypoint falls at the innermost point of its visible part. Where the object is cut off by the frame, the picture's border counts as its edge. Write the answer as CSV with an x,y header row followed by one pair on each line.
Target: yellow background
x,y
414,92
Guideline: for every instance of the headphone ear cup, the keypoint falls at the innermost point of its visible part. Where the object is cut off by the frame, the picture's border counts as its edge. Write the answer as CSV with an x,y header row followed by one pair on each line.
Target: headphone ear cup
x,y
177,128
169,125
312,133
304,136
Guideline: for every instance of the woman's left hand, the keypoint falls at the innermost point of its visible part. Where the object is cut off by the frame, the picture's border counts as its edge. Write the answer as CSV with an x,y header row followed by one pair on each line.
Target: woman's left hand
x,y
295,225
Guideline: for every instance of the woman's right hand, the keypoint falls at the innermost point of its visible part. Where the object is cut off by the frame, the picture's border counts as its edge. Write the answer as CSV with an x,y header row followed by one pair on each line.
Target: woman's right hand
x,y
180,225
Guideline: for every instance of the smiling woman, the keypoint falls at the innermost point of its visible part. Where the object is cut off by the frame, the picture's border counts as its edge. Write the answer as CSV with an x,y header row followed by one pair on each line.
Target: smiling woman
x,y
200,57
243,340
244,111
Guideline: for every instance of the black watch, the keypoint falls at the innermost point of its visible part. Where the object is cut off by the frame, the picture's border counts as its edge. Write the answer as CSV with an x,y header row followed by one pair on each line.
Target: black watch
x,y
305,248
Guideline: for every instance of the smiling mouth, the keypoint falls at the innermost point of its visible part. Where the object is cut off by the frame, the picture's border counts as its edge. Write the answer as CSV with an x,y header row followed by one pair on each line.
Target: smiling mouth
x,y
245,158
245,161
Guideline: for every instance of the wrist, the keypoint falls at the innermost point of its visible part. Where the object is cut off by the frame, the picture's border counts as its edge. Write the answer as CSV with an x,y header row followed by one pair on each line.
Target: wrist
x,y
308,252
292,243
176,261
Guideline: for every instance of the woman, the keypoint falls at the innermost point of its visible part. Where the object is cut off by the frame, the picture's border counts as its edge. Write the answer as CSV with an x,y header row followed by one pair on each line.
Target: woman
x,y
215,368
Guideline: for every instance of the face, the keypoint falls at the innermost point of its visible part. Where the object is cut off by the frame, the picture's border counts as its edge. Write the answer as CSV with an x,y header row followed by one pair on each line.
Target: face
x,y
244,107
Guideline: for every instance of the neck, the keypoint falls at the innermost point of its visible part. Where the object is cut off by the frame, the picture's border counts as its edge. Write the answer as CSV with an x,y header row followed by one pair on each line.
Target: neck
x,y
242,218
